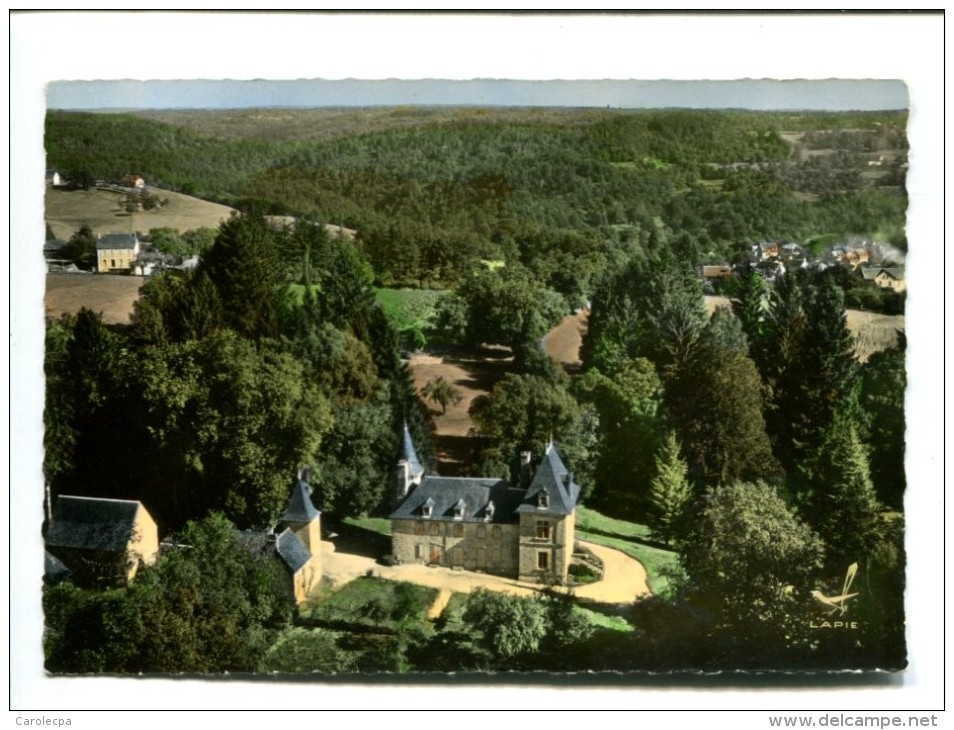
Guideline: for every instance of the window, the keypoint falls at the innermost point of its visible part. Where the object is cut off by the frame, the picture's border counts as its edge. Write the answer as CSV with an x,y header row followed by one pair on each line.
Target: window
x,y
418,552
459,509
435,528
496,532
482,531
543,561
543,529
112,263
458,530
543,500
419,528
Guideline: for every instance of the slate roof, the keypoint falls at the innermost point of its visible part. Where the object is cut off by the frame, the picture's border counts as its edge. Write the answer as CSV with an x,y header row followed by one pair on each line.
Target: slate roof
x,y
117,241
445,493
300,507
409,455
286,546
54,570
91,523
292,550
553,478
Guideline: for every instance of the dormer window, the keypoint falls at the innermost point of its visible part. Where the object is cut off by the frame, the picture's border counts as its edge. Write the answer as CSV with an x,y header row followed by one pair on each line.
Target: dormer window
x,y
543,500
489,512
428,508
459,509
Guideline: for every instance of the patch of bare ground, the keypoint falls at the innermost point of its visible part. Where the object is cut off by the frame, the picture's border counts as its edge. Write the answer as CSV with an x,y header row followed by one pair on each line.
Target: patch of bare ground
x,y
564,341
871,332
68,210
473,373
111,295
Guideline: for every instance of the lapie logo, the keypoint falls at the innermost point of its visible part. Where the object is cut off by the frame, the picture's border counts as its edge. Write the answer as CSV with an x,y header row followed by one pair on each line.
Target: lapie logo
x,y
838,604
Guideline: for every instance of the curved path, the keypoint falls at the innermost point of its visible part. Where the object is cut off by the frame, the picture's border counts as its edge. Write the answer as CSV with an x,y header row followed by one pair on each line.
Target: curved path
x,y
624,578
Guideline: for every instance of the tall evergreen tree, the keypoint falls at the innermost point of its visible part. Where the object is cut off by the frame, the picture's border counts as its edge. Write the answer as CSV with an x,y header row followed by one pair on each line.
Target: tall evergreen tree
x,y
883,382
725,331
669,491
245,269
842,505
715,402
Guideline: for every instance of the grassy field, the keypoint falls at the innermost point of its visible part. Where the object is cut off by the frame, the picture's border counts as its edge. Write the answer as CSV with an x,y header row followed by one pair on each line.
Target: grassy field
x,y
112,296
408,308
68,210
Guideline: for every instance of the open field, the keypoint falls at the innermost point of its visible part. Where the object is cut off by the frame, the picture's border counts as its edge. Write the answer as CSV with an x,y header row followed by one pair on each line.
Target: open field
x,y
111,295
68,210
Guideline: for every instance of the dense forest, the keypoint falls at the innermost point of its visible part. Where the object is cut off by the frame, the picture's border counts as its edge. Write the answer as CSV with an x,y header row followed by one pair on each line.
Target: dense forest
x,y
752,442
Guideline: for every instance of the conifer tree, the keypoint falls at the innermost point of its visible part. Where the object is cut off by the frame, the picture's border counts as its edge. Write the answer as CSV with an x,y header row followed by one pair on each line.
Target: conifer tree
x,y
842,505
669,491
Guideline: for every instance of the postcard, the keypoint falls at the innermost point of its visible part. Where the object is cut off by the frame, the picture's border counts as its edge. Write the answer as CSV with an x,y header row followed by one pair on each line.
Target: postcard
x,y
488,380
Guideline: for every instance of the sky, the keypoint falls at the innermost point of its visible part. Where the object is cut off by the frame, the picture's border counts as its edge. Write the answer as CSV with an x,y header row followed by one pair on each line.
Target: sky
x,y
819,94
898,60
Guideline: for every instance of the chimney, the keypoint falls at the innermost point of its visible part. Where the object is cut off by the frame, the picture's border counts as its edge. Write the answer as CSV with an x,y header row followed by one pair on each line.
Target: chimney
x,y
526,467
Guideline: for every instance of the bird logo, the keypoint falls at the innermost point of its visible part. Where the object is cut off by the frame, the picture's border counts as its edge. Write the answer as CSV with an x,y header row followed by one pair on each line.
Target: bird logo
x,y
839,603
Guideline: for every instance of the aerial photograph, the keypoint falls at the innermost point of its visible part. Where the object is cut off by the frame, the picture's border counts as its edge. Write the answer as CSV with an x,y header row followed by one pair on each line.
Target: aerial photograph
x,y
494,378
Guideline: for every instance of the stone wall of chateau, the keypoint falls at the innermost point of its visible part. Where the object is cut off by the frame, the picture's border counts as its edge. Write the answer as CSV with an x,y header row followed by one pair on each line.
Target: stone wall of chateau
x,y
457,543
546,547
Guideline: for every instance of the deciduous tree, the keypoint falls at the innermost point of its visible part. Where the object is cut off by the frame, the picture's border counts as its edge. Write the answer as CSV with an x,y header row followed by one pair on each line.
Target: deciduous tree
x,y
438,390
751,564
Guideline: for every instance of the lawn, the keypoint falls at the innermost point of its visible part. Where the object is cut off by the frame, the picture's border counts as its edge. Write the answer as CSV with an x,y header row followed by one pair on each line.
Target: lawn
x,y
371,602
602,621
408,307
410,311
380,525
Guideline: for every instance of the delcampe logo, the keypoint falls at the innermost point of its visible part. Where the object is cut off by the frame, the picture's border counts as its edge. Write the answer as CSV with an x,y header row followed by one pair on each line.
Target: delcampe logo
x,y
838,603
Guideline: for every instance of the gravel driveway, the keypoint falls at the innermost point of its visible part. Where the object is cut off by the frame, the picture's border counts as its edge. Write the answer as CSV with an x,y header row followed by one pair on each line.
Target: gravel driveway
x,y
623,581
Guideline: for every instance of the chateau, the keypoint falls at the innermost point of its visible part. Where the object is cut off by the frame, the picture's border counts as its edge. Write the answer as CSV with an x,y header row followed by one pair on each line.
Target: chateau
x,y
486,524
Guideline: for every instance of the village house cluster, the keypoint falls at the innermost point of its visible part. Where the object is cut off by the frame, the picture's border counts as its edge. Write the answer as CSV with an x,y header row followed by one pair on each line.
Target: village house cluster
x,y
882,265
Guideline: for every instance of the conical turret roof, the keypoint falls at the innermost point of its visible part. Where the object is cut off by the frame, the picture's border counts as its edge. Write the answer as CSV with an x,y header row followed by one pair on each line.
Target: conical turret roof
x,y
300,507
409,455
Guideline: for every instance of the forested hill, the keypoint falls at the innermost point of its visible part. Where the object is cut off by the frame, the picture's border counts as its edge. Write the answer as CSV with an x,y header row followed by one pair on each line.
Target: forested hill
x,y
433,191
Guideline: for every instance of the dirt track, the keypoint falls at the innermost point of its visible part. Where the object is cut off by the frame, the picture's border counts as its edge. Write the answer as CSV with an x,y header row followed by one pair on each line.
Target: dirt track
x,y
624,579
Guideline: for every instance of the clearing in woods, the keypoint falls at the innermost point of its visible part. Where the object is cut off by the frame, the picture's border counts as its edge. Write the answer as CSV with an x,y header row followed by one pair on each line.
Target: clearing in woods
x,y
474,373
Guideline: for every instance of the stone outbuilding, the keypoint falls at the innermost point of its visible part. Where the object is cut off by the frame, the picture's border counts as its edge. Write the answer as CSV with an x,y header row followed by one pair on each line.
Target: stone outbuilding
x,y
101,541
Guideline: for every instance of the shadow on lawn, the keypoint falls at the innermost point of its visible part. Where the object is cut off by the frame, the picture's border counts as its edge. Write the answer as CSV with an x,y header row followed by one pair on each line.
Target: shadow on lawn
x,y
357,540
627,538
